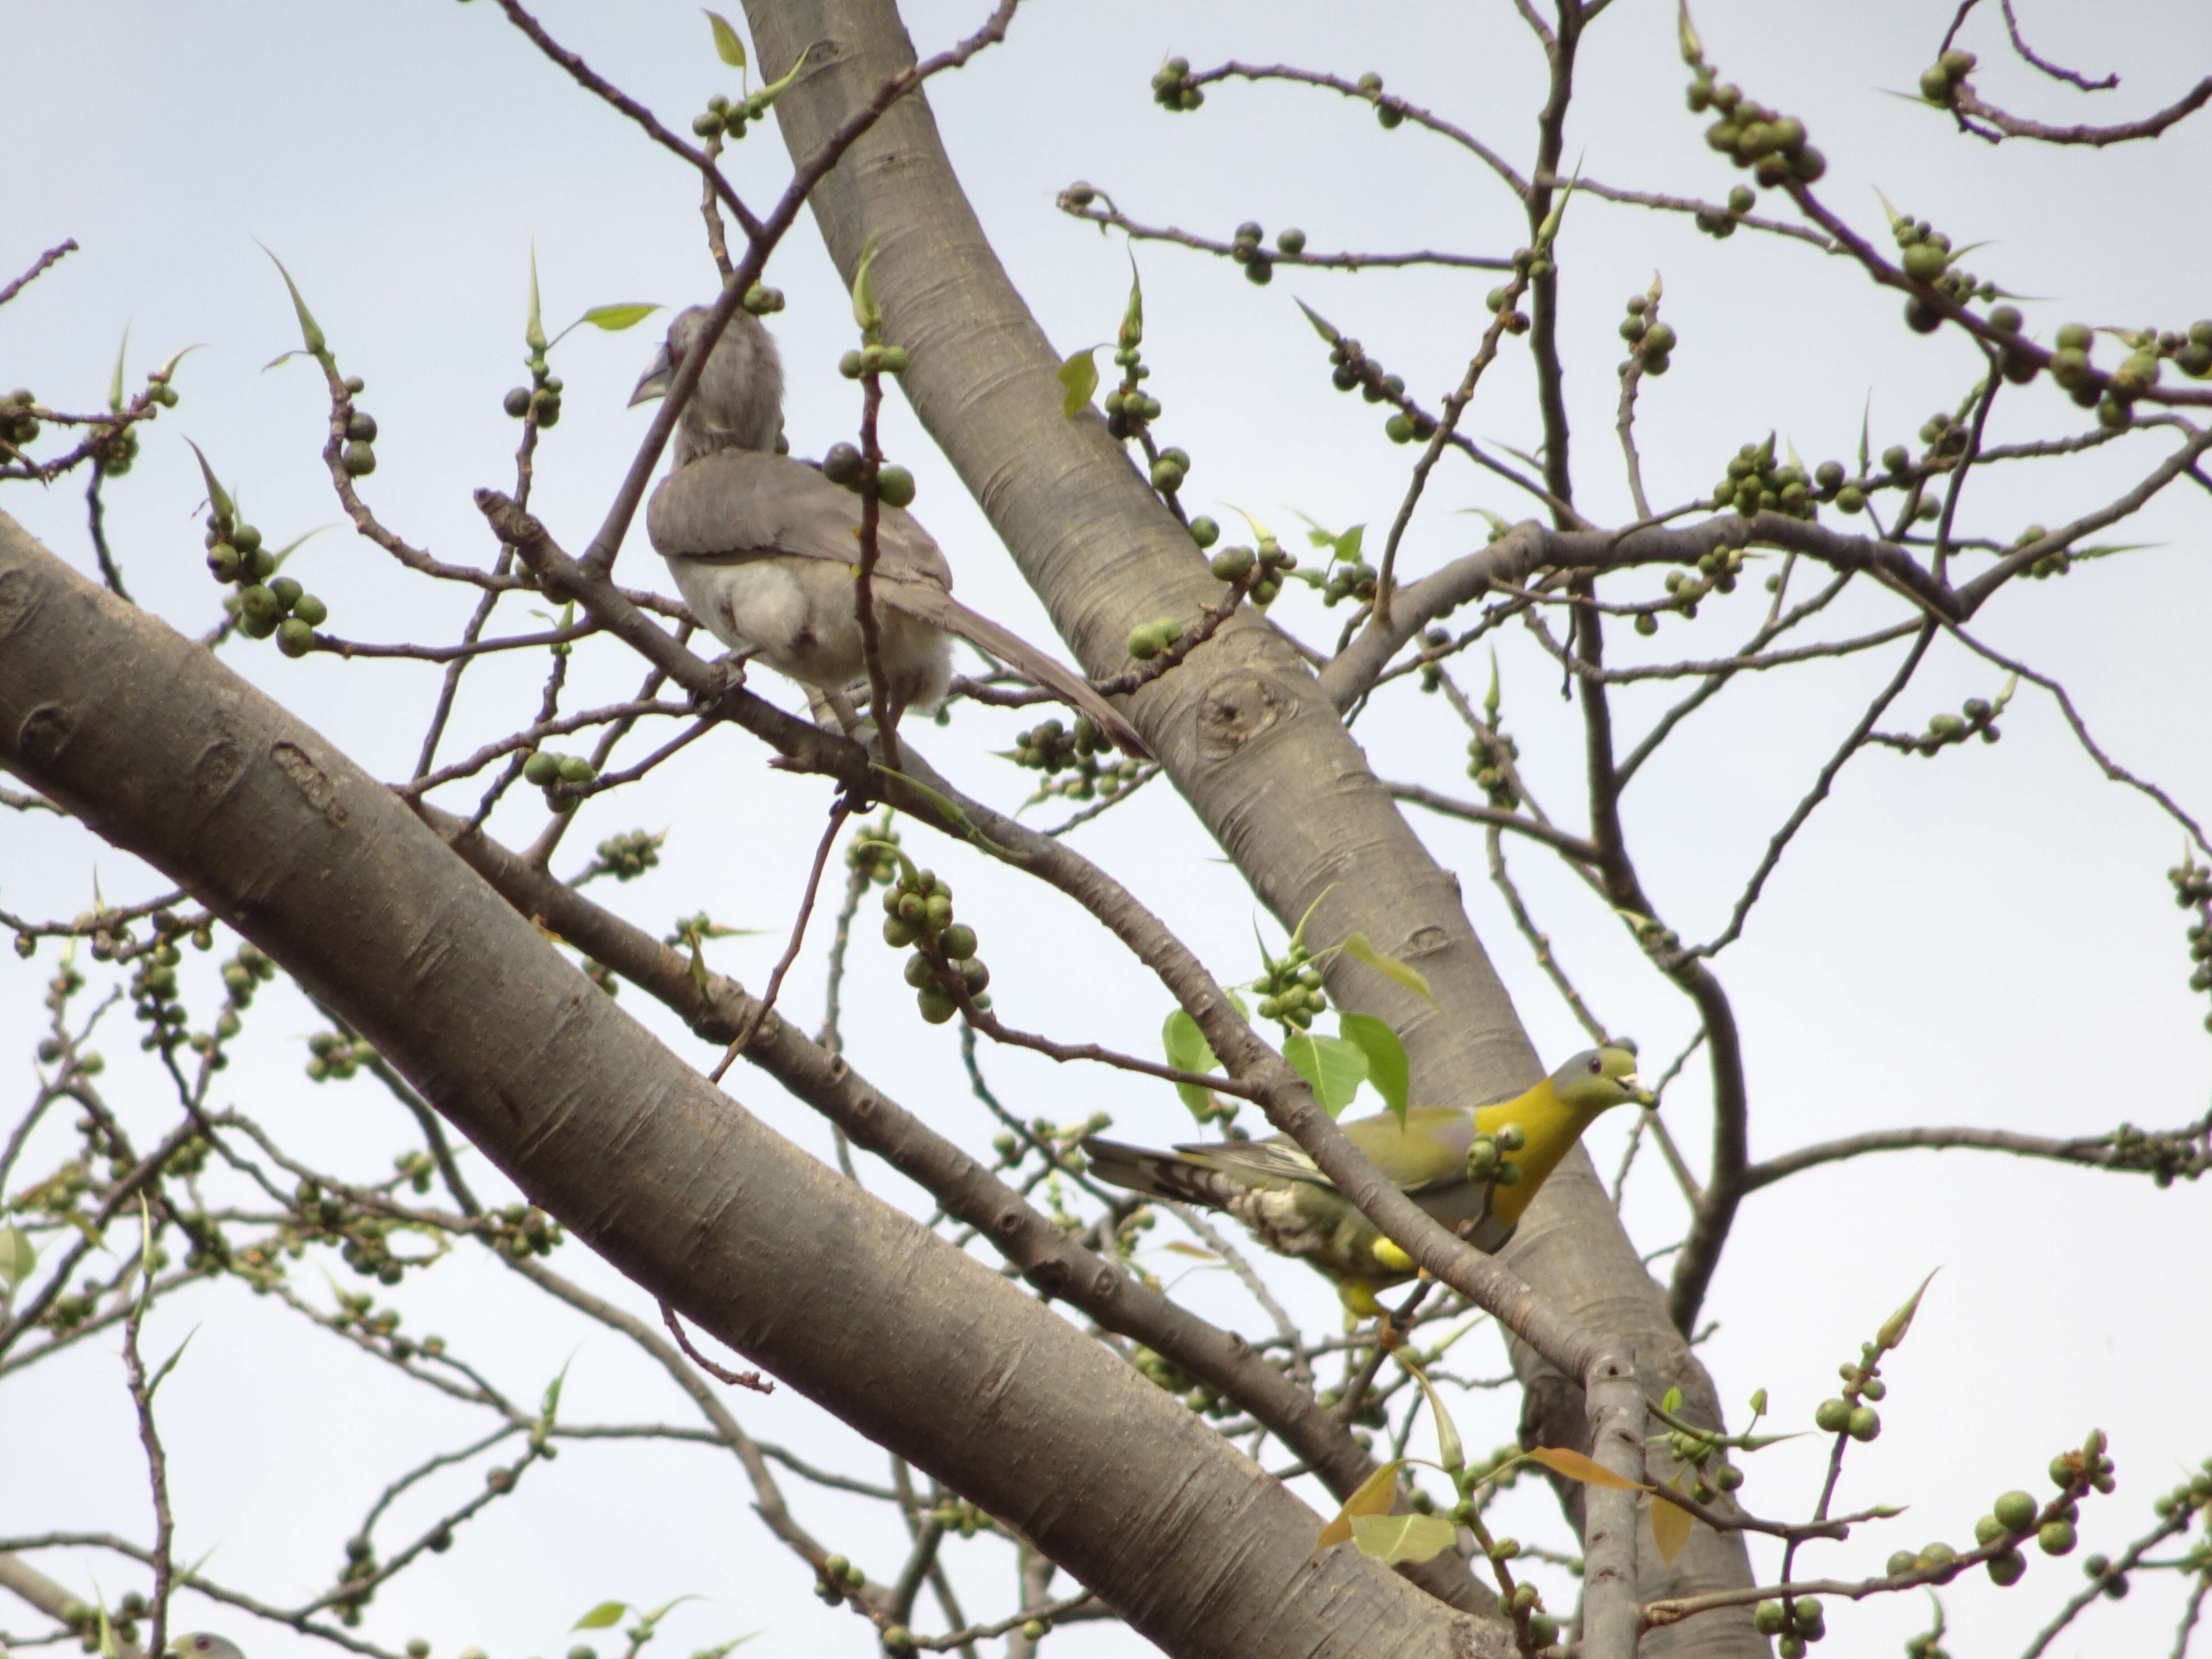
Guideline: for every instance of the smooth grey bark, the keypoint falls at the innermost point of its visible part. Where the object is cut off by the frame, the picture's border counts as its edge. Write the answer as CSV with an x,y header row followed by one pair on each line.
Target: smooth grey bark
x,y
1243,726
163,752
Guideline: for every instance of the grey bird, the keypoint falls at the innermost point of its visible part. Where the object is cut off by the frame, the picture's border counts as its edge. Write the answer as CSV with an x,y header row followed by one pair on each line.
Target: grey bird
x,y
764,548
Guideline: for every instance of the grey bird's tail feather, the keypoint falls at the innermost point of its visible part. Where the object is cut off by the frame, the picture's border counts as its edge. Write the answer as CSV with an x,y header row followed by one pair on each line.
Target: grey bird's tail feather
x,y
933,605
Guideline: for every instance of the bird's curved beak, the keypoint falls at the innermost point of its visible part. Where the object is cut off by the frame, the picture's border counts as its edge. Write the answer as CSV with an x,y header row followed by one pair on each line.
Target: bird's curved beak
x,y
657,378
1637,1092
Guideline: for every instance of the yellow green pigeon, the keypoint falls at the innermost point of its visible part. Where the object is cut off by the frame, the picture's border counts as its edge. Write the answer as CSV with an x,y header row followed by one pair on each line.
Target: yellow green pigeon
x,y
1474,1170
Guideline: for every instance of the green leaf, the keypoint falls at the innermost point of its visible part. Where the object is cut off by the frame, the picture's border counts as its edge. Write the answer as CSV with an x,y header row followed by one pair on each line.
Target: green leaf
x,y
1391,1539
1298,933
533,328
1321,326
1386,1059
311,333
1693,50
1377,1493
727,46
757,104
218,503
1357,947
1449,1457
1079,373
866,312
951,810
1187,1051
18,1256
1347,545
550,1406
1894,1327
115,387
614,318
601,1616
1133,314
1671,1400
1332,1068
170,1364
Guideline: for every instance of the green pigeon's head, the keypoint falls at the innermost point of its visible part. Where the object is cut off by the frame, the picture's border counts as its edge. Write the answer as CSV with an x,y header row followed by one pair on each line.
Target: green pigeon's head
x,y
1598,1077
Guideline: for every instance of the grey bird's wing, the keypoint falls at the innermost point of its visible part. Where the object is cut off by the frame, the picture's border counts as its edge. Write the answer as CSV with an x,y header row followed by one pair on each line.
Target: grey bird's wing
x,y
741,501
741,504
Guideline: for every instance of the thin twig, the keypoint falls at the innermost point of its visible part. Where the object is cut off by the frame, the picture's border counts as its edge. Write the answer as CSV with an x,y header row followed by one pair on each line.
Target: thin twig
x,y
838,814
752,1380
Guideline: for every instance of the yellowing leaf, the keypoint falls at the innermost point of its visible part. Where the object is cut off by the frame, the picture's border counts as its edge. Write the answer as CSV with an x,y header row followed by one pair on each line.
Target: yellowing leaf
x,y
1670,1526
18,1256
1391,1539
1357,947
1198,1251
601,1616
1079,373
614,318
1375,1496
727,46
1573,1466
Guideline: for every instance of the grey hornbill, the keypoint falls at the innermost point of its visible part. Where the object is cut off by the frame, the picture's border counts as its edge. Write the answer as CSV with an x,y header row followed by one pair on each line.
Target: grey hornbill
x,y
764,548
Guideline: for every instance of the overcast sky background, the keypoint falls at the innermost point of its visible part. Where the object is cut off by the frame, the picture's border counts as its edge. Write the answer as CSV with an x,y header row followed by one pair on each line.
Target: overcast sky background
x,y
1987,938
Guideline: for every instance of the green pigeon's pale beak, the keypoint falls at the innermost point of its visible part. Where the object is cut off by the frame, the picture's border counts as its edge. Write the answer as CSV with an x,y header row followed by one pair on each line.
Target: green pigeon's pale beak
x,y
1642,1095
657,380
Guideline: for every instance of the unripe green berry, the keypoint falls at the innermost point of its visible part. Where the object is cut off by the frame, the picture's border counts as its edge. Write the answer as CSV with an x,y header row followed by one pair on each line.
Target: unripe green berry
x,y
2015,1511
1831,1416
894,486
2056,1538
959,941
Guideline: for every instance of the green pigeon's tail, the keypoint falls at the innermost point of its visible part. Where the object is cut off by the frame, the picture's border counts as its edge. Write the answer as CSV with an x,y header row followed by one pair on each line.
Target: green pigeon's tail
x,y
1159,1175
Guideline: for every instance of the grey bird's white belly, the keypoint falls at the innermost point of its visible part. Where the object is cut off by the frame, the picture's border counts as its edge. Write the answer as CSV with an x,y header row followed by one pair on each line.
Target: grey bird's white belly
x,y
798,617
